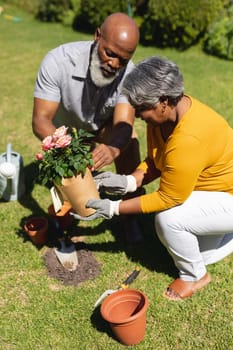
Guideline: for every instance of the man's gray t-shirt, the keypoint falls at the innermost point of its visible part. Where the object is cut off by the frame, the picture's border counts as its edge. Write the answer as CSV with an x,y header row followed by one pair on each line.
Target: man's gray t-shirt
x,y
63,77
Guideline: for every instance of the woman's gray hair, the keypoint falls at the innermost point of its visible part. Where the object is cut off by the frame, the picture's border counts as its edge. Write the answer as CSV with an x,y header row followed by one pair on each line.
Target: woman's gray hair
x,y
151,81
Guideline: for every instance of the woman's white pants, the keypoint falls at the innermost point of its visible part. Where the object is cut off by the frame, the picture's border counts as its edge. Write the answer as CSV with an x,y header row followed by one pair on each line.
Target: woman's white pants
x,y
198,232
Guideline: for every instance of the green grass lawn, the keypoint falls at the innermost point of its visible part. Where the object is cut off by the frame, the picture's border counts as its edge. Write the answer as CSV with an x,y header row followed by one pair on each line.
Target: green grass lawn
x,y
38,312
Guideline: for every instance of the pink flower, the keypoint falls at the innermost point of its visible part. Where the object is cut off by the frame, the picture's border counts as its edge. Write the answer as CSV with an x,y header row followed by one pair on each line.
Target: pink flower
x,y
60,132
47,143
39,156
63,141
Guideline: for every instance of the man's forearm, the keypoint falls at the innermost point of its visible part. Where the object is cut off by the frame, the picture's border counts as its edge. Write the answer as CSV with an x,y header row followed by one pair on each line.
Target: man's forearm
x,y
121,135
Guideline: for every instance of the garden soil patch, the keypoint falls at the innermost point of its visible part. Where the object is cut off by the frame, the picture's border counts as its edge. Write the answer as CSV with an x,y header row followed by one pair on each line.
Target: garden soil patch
x,y
88,268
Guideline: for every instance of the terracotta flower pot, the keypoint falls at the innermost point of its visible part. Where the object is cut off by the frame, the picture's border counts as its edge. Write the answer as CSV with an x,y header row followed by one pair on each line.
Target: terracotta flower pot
x,y
125,310
37,229
62,216
77,190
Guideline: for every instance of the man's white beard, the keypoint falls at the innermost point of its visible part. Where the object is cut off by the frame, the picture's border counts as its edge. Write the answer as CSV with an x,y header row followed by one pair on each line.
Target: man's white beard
x,y
96,73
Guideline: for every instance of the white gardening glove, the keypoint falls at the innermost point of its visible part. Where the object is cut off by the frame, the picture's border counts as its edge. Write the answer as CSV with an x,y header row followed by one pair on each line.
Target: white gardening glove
x,y
114,183
105,208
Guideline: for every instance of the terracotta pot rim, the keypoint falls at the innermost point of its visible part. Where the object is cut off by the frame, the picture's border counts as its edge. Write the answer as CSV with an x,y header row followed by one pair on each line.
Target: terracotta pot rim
x,y
109,301
35,219
65,210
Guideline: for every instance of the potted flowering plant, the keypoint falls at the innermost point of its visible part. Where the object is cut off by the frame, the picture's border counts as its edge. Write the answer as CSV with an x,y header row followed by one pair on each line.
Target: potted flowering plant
x,y
66,161
66,153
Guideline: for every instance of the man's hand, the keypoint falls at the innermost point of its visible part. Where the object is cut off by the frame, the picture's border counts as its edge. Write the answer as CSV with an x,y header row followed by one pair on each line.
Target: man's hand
x,y
105,208
104,155
114,183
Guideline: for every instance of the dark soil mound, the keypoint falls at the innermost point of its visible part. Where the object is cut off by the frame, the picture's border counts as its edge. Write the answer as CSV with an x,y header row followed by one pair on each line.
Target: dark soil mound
x,y
88,267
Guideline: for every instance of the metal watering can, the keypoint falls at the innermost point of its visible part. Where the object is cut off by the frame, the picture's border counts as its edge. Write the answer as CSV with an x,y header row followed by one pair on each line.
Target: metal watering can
x,y
12,185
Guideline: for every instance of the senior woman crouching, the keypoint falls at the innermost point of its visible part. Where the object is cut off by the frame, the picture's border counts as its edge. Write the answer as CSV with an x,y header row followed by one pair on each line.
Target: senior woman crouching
x,y
190,148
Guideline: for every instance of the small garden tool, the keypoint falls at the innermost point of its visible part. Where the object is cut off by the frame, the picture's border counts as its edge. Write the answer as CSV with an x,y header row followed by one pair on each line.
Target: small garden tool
x,y
12,184
124,285
66,254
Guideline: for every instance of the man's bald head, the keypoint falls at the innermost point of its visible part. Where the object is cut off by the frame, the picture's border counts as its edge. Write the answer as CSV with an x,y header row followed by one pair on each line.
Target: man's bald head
x,y
122,30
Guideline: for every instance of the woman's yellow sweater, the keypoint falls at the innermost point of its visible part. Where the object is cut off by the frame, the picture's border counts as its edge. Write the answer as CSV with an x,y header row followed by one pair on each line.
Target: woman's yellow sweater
x,y
198,156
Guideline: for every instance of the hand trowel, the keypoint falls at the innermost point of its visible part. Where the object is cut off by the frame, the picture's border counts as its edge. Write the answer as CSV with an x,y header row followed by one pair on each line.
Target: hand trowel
x,y
66,253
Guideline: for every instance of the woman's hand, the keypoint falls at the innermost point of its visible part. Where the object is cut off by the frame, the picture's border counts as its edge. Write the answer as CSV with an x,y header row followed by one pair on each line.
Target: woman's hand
x,y
114,183
105,208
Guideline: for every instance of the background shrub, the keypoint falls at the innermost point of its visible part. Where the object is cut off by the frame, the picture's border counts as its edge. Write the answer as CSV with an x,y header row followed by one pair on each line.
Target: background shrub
x,y
219,37
172,23
70,14
92,13
53,10
162,23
